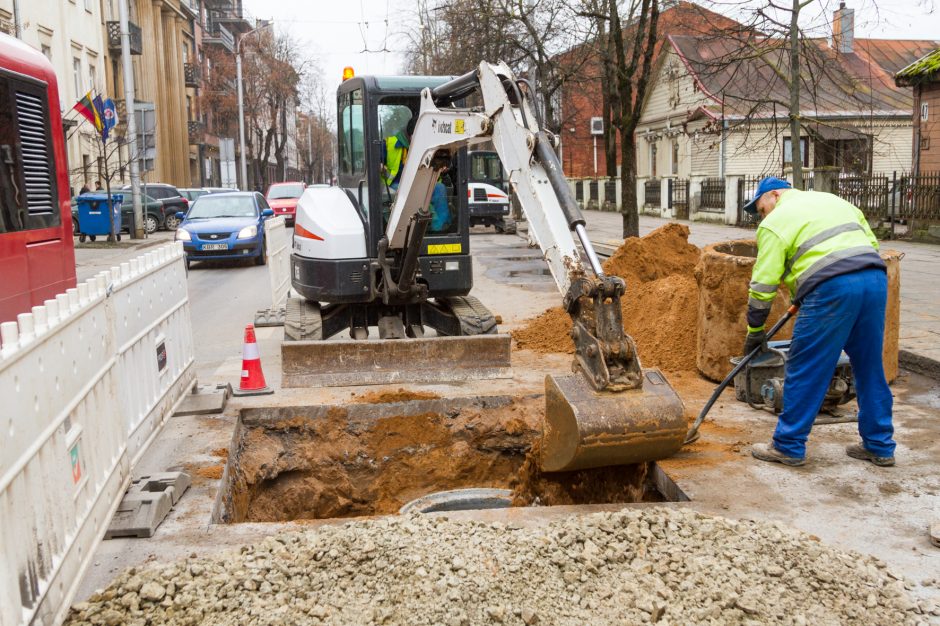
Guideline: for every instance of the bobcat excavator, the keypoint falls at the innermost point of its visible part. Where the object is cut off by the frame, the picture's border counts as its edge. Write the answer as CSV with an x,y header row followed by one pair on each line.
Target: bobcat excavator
x,y
367,255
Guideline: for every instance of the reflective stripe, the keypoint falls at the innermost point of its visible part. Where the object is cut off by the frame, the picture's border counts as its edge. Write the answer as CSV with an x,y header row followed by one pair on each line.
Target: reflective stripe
x,y
831,258
817,239
754,303
250,352
763,288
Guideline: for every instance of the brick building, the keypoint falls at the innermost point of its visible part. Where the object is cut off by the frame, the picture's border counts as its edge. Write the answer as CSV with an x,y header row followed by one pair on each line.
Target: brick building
x,y
923,76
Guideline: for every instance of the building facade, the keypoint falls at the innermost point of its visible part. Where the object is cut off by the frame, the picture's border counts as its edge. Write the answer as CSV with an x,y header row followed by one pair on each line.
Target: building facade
x,y
923,77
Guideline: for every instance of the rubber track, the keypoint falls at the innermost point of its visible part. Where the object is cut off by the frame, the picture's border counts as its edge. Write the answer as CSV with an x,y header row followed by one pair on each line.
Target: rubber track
x,y
302,320
475,319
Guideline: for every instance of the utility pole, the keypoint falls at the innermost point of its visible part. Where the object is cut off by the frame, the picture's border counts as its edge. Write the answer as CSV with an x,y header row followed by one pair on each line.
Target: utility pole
x,y
129,100
241,105
17,22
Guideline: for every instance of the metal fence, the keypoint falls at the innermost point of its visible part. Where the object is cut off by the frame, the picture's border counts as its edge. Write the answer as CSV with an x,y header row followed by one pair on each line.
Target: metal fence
x,y
652,192
713,195
87,381
679,197
911,201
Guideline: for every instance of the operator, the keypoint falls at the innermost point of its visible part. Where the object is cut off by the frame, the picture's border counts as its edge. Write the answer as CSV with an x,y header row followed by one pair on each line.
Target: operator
x,y
824,251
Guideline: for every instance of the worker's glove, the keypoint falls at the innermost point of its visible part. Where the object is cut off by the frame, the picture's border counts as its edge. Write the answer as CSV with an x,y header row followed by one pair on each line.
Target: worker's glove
x,y
754,340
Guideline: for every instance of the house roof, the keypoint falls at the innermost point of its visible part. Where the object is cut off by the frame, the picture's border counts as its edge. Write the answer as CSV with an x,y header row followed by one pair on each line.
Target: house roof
x,y
924,70
739,76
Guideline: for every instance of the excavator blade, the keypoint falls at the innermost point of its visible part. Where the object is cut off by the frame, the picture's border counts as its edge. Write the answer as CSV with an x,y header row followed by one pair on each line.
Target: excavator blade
x,y
585,428
340,362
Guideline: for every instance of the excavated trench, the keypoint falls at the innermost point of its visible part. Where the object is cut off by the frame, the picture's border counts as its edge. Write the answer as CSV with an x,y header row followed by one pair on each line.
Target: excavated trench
x,y
372,458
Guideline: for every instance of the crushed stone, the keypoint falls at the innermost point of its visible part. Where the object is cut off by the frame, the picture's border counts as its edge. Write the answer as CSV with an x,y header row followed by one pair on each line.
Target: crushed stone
x,y
663,565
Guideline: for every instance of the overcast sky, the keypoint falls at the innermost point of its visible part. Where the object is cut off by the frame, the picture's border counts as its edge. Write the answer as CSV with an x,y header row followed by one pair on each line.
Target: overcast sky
x,y
367,34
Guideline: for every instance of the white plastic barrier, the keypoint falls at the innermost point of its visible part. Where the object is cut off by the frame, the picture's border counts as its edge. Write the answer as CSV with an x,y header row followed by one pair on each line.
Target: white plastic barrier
x,y
86,382
278,251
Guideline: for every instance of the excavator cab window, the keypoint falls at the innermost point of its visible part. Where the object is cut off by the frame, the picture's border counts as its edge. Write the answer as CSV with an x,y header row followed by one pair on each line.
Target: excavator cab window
x,y
352,146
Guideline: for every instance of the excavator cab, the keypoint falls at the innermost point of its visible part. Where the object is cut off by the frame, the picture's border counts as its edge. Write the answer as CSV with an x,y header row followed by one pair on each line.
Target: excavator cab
x,y
373,112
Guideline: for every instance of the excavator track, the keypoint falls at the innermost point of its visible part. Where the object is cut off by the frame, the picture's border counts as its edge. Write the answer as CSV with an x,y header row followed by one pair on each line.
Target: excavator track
x,y
302,320
475,319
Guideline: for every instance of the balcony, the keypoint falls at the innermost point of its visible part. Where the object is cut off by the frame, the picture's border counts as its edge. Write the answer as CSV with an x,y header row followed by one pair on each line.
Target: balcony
x,y
233,16
196,131
114,37
218,35
192,74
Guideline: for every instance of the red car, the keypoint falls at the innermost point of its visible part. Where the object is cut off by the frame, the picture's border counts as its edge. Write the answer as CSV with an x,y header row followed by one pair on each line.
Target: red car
x,y
283,197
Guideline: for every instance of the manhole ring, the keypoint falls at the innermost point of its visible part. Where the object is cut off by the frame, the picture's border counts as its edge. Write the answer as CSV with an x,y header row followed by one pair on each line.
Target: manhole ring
x,y
460,500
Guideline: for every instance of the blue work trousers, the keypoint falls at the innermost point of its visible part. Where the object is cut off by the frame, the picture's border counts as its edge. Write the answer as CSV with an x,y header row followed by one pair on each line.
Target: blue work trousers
x,y
845,312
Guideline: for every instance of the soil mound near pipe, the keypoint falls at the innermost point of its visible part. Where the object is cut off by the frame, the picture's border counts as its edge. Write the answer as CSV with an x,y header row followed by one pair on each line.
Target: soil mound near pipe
x,y
660,307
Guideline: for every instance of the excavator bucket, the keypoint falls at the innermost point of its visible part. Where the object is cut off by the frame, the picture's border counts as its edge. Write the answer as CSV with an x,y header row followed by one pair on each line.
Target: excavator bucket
x,y
336,362
585,428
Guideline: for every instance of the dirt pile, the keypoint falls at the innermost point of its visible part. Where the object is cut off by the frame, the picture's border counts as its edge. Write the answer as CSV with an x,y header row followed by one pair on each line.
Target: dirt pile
x,y
660,307
671,566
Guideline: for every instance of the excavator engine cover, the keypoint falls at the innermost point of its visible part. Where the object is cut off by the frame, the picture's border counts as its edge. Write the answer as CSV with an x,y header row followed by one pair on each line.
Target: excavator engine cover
x,y
585,428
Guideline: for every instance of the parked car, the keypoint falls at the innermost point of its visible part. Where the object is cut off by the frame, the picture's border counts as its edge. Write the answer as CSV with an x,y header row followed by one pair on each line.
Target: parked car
x,y
173,201
220,189
225,226
191,193
153,213
283,199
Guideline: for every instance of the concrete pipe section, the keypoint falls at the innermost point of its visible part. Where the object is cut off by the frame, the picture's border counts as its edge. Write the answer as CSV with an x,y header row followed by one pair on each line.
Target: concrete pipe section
x,y
724,274
460,500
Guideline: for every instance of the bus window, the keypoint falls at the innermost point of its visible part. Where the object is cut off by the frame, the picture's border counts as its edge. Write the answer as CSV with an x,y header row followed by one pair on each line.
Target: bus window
x,y
28,195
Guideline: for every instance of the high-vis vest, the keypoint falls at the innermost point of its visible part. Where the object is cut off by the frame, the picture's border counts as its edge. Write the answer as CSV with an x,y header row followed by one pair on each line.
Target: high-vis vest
x,y
808,238
394,155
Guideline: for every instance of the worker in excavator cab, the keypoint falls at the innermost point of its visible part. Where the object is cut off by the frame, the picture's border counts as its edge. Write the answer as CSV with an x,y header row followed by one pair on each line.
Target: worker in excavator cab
x,y
822,248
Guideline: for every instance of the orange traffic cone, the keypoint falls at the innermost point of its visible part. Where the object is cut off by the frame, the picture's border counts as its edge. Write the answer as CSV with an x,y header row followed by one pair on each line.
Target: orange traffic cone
x,y
252,382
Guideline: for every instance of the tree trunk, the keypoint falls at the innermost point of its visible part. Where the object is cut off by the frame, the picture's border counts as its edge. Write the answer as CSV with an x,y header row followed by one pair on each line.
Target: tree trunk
x,y
796,154
629,209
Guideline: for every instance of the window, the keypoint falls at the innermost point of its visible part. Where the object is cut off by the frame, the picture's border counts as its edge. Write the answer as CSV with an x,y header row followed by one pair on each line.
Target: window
x,y
92,78
924,110
352,148
653,150
803,151
47,51
26,144
674,170
77,77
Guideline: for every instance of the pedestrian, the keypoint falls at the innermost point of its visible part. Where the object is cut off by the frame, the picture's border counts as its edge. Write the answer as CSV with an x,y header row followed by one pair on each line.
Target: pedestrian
x,y
84,189
822,248
98,185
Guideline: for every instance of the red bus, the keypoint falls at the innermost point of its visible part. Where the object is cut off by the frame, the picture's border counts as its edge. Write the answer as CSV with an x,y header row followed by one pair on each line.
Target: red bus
x,y
37,257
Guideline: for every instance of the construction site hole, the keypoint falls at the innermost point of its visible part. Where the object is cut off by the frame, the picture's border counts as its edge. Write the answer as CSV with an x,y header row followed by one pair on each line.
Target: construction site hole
x,y
322,462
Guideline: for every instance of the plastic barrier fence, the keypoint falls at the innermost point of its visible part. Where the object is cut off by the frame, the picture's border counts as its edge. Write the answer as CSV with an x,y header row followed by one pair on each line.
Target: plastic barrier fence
x,y
278,252
86,382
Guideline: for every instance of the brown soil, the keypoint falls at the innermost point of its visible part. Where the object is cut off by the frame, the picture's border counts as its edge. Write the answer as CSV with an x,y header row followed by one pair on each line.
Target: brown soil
x,y
213,472
386,397
222,453
659,307
305,468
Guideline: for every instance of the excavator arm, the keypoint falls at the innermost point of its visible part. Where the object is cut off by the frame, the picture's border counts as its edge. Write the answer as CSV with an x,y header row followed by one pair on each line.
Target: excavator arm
x,y
611,412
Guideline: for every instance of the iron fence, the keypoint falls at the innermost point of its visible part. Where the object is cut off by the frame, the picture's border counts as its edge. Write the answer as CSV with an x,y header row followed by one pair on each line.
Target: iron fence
x,y
679,197
713,195
610,195
905,202
652,193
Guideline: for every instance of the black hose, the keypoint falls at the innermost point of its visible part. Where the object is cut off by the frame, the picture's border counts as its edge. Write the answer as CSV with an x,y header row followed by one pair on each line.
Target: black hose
x,y
693,432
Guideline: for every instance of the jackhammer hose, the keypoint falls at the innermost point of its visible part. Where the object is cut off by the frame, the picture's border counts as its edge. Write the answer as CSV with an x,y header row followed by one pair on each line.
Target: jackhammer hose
x,y
693,432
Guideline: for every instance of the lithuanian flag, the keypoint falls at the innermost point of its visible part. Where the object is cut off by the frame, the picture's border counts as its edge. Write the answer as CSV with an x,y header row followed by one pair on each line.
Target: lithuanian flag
x,y
87,109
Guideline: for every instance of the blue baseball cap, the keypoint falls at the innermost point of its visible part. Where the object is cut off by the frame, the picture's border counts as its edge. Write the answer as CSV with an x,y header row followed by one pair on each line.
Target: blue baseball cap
x,y
768,184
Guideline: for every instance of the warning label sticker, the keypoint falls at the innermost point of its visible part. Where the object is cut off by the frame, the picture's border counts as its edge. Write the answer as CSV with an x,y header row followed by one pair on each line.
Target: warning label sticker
x,y
445,248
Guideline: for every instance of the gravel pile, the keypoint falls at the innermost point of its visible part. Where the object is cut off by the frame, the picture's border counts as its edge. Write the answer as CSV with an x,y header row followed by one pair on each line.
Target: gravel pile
x,y
635,566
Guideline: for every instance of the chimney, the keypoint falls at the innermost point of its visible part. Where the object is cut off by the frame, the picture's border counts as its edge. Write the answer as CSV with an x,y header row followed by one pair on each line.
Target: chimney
x,y
843,29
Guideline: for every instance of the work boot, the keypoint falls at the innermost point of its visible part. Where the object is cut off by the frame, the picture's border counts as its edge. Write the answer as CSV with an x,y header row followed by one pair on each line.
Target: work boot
x,y
769,452
858,451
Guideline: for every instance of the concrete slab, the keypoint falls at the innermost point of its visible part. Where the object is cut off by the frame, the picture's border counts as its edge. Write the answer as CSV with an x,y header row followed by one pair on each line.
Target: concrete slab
x,y
146,504
205,400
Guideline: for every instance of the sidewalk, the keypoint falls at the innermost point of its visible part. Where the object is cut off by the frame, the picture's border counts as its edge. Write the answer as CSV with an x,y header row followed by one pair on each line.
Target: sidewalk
x,y
920,281
91,258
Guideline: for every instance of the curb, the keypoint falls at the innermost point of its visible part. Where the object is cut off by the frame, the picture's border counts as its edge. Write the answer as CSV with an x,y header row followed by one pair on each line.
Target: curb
x,y
922,365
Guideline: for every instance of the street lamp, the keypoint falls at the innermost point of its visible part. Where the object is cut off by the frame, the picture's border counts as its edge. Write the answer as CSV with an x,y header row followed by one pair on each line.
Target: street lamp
x,y
241,105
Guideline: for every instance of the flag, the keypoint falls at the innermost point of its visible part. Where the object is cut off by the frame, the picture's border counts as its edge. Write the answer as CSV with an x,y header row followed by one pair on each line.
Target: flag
x,y
87,109
110,118
99,113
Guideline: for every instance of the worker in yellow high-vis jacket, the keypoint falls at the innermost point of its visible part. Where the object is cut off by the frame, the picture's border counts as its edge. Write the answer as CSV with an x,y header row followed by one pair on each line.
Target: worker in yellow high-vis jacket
x,y
822,248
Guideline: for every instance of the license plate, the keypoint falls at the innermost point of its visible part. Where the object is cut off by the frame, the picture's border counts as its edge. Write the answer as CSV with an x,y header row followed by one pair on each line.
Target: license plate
x,y
215,246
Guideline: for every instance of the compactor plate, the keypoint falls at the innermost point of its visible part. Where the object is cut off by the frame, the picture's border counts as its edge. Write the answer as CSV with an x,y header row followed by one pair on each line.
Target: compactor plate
x,y
585,428
341,362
